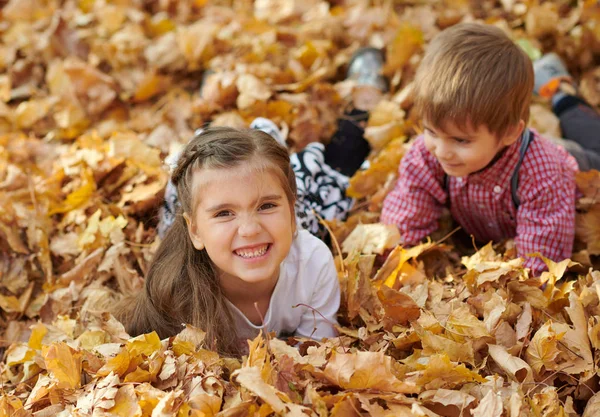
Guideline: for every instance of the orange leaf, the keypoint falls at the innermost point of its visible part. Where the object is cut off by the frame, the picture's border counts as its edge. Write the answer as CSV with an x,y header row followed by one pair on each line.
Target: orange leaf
x,y
408,40
64,364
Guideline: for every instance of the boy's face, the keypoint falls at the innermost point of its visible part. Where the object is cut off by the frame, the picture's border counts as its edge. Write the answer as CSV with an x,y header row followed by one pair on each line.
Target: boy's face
x,y
464,151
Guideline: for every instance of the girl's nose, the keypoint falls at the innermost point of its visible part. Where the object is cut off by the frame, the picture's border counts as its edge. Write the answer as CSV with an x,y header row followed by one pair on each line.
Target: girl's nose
x,y
249,226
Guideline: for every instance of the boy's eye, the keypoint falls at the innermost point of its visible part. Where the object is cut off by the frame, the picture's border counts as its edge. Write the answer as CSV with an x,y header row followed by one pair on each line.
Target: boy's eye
x,y
461,141
429,132
267,206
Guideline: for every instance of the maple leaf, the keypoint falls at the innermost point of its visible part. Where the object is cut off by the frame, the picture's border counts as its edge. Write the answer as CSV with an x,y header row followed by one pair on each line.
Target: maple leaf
x,y
371,238
463,324
543,348
489,406
64,364
592,408
515,367
437,371
249,377
365,370
399,307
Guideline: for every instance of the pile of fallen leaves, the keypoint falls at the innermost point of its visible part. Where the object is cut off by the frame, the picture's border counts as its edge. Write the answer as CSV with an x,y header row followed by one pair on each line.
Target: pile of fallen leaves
x,y
95,94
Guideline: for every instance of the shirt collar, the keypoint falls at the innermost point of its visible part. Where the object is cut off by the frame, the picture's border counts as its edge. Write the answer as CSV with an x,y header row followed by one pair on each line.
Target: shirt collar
x,y
499,172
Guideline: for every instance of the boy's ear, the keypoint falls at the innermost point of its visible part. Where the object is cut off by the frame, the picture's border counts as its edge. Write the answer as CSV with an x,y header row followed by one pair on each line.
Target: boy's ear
x,y
193,232
514,134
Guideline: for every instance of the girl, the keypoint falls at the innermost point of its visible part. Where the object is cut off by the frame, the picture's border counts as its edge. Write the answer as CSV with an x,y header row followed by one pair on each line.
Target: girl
x,y
320,189
233,262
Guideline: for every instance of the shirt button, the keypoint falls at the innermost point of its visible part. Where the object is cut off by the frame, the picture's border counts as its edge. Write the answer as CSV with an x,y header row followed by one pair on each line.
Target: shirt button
x,y
460,180
491,224
497,189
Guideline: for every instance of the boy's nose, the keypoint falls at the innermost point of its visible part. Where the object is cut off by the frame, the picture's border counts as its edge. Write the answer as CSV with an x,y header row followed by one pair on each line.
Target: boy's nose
x,y
444,152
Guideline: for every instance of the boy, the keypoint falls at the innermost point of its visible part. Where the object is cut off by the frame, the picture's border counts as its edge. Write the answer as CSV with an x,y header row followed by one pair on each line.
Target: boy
x,y
499,180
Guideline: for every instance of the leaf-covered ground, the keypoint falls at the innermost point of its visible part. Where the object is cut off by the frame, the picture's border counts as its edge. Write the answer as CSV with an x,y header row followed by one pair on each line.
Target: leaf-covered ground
x,y
94,94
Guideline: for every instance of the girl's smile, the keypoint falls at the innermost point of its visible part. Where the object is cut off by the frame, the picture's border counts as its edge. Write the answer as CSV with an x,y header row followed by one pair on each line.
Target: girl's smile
x,y
254,253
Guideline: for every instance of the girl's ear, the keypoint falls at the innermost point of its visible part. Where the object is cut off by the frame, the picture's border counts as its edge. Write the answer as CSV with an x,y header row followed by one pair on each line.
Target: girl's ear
x,y
193,232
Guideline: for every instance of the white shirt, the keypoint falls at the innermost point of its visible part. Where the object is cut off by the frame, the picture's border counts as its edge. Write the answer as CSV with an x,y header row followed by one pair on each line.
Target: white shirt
x,y
306,276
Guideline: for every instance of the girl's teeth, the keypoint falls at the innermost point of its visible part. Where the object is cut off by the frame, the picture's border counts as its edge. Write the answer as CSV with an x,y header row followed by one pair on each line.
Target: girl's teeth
x,y
252,253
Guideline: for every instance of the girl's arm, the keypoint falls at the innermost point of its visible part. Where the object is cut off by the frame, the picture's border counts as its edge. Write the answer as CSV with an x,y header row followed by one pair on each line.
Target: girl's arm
x,y
319,318
415,205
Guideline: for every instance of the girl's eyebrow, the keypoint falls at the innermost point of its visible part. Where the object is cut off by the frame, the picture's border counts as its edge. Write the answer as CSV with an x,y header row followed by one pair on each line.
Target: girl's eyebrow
x,y
270,197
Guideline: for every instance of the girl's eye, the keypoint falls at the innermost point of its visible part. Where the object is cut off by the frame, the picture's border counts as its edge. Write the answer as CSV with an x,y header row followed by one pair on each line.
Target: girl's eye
x,y
267,206
461,141
223,213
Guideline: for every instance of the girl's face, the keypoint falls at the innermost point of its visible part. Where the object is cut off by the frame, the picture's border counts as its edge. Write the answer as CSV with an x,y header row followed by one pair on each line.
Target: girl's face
x,y
243,218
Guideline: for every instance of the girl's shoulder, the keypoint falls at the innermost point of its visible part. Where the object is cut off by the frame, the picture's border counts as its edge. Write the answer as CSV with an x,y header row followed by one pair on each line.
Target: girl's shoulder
x,y
307,248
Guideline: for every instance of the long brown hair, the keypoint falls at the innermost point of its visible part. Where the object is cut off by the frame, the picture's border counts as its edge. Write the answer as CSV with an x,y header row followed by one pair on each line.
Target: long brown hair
x,y
182,285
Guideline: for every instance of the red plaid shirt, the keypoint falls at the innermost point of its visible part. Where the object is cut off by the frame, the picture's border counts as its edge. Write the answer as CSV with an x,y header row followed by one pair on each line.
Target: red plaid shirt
x,y
482,202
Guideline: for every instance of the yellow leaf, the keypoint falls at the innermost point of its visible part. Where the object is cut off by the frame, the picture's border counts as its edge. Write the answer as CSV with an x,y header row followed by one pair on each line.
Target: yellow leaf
x,y
145,344
19,353
11,406
307,54
126,404
64,364
160,24
151,85
139,375
29,112
516,368
38,331
457,352
92,338
408,40
366,182
371,238
403,256
249,378
118,364
440,372
489,406
10,304
80,196
543,348
129,146
463,324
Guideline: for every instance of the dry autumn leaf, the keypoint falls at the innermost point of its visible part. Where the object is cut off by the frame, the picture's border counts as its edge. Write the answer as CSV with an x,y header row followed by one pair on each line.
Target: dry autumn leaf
x,y
94,95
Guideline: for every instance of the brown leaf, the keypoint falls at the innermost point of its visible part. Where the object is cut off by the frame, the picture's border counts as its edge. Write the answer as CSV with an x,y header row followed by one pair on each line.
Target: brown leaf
x,y
399,307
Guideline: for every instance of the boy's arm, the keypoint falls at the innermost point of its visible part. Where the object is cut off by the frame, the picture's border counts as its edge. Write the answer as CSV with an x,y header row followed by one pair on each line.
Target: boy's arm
x,y
415,204
546,220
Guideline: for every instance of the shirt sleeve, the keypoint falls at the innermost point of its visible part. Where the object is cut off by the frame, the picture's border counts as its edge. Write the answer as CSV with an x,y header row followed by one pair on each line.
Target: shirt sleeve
x,y
319,318
415,204
546,219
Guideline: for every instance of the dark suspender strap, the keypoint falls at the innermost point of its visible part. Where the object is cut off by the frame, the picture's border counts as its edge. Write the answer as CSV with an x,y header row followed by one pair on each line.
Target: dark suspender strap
x,y
514,181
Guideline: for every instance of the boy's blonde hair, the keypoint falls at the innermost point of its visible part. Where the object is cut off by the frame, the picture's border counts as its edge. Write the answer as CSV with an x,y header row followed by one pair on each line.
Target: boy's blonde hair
x,y
474,73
